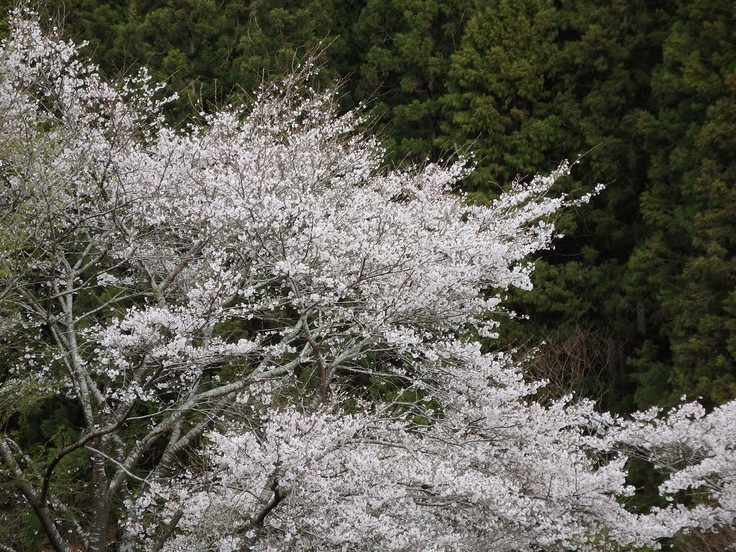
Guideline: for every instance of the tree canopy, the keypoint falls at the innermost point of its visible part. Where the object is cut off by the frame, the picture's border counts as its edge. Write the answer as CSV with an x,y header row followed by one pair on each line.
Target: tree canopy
x,y
251,334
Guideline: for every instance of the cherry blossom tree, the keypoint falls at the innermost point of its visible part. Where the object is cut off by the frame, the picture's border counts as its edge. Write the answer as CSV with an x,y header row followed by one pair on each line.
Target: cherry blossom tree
x,y
274,343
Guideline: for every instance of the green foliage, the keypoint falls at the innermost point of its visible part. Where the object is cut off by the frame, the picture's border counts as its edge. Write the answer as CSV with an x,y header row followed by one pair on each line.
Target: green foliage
x,y
686,263
530,86
499,96
192,44
281,34
208,52
406,47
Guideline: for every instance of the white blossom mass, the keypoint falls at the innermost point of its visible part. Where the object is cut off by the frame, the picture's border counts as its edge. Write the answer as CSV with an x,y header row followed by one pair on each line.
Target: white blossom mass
x,y
273,342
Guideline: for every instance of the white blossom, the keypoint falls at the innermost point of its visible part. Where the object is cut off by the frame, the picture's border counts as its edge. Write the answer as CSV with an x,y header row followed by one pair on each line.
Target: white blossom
x,y
269,336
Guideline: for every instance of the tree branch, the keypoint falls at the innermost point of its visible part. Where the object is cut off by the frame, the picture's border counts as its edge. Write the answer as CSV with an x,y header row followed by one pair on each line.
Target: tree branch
x,y
32,497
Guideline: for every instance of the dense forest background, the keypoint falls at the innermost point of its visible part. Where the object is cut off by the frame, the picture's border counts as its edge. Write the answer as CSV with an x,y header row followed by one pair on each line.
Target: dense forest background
x,y
637,304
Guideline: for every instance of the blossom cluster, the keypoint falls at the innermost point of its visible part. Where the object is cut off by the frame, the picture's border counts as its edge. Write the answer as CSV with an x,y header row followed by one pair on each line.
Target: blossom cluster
x,y
274,342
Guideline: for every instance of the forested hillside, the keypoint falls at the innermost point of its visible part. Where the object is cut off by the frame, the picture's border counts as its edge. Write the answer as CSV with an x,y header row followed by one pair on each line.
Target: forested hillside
x,y
636,303
634,307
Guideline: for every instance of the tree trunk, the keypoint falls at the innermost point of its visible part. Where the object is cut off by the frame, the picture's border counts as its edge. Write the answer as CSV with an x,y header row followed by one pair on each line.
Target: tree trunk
x,y
98,538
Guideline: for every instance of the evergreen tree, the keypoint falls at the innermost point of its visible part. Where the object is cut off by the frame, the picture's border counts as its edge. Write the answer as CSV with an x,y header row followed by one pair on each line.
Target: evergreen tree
x,y
208,52
562,79
687,261
499,98
406,47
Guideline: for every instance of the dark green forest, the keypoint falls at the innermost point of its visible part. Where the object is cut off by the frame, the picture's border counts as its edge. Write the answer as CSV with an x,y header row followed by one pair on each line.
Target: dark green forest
x,y
636,305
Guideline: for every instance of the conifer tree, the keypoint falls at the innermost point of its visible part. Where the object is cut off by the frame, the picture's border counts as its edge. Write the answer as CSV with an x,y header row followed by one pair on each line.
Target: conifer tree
x,y
686,262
